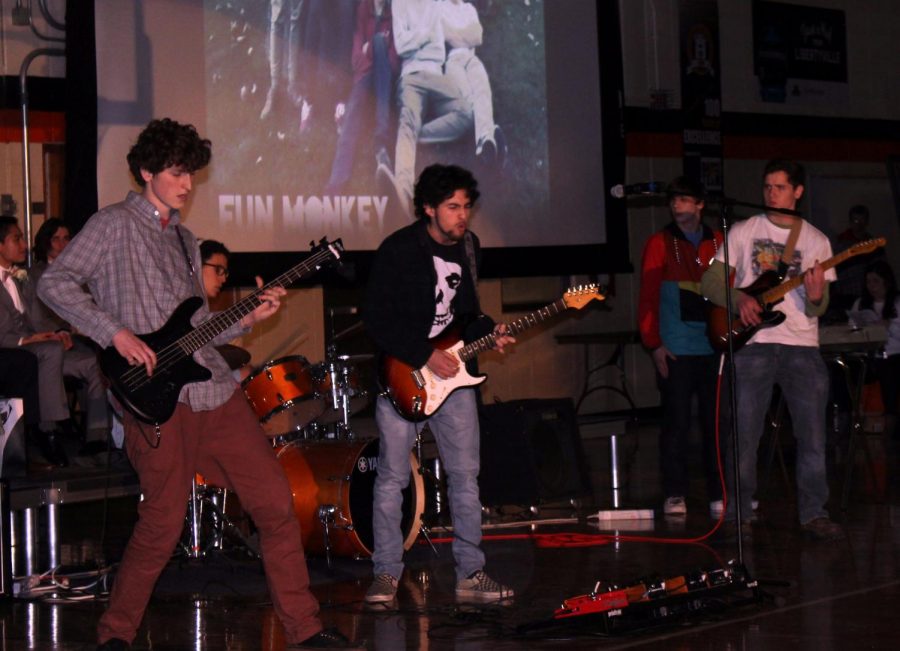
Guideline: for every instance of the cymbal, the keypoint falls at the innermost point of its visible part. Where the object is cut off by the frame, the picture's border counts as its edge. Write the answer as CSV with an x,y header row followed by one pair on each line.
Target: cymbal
x,y
362,357
348,331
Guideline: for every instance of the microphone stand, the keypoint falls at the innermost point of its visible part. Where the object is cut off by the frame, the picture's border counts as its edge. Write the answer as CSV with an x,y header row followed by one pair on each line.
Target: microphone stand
x,y
727,204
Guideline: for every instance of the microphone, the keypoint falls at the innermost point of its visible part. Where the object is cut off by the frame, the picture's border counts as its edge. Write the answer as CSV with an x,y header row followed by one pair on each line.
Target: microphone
x,y
621,191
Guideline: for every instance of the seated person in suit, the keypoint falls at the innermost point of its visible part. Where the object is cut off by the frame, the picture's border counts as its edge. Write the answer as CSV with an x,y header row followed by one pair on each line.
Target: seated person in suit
x,y
54,349
215,257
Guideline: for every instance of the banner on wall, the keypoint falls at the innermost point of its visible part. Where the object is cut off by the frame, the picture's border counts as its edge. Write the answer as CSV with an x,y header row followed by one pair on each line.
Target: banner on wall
x,y
800,53
701,92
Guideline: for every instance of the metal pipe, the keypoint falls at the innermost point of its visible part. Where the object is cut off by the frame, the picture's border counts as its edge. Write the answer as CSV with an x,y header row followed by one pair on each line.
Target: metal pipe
x,y
29,522
26,157
45,12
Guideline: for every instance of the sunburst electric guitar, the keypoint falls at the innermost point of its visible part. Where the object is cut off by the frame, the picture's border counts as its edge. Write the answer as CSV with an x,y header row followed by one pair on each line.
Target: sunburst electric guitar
x,y
417,393
152,399
768,290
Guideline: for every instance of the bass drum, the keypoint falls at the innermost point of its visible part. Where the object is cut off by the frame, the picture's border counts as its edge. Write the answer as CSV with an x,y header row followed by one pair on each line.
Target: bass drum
x,y
283,395
341,474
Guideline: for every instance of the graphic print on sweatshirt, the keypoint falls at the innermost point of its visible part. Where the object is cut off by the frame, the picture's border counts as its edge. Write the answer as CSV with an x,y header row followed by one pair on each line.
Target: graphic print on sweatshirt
x,y
449,276
766,255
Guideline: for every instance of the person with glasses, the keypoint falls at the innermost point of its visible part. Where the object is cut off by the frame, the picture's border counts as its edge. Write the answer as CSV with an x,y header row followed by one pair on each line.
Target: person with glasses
x,y
215,266
215,256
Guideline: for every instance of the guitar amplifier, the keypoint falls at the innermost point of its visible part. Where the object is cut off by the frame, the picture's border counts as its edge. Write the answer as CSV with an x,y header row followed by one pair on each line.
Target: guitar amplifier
x,y
531,453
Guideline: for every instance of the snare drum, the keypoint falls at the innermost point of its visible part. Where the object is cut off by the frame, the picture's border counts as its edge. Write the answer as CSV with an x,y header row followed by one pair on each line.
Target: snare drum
x,y
341,474
283,395
337,382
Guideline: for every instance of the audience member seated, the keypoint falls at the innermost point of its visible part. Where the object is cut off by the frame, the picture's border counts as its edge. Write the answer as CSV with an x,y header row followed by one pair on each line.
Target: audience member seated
x,y
851,273
18,379
215,257
880,303
55,351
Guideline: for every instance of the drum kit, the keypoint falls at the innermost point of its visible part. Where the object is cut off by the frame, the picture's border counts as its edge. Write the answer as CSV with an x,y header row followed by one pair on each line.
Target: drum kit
x,y
305,410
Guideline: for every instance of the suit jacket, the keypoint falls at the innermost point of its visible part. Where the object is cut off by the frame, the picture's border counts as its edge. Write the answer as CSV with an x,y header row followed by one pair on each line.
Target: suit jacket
x,y
13,324
42,318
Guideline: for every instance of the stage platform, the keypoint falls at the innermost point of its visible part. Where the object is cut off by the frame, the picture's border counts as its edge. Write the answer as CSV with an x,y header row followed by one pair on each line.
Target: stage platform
x,y
815,595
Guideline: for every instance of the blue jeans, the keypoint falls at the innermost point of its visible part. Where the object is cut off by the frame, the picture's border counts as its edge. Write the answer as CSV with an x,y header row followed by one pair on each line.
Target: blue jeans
x,y
455,429
437,95
376,83
803,378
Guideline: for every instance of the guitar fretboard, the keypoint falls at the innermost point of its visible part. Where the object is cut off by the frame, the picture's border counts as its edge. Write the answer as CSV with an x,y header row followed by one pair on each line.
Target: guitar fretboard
x,y
487,342
778,292
213,327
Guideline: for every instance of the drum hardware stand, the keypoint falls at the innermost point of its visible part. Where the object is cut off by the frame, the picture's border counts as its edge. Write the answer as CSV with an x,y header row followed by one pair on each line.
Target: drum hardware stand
x,y
326,517
435,479
220,523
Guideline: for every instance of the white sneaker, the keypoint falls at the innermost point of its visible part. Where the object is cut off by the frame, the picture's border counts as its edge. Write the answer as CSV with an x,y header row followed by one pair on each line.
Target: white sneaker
x,y
674,506
716,508
480,587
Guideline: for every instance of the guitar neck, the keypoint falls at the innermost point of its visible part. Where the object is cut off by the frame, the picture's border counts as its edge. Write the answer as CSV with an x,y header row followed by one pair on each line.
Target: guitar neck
x,y
778,292
487,342
219,323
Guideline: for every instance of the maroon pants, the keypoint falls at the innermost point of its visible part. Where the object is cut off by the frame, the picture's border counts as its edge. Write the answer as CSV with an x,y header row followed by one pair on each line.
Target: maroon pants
x,y
227,446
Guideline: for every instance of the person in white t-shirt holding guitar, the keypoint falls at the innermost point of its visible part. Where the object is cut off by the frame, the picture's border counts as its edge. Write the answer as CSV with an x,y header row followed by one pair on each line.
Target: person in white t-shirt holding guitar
x,y
784,351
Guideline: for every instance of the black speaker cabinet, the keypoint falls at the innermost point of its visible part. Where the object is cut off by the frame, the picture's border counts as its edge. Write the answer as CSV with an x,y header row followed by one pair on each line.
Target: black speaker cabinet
x,y
531,452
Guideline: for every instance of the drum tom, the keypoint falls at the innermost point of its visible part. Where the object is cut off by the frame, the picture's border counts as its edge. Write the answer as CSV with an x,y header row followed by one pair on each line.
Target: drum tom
x,y
337,382
338,477
283,395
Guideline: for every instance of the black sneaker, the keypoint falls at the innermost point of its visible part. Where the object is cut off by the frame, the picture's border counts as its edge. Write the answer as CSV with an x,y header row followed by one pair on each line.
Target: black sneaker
x,y
50,447
481,588
823,529
329,638
382,590
114,644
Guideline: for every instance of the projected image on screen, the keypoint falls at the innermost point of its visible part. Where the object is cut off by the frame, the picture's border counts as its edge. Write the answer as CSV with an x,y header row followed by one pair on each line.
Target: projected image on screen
x,y
323,112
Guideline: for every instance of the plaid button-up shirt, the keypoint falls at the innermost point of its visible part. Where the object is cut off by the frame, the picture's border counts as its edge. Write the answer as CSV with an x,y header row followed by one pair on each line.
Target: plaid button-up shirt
x,y
137,274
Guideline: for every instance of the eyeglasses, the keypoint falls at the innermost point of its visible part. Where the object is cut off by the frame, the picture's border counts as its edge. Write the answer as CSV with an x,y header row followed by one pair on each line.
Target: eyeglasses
x,y
220,270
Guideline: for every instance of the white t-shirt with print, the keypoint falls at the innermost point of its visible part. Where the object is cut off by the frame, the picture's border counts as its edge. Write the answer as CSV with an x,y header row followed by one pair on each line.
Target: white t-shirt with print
x,y
755,246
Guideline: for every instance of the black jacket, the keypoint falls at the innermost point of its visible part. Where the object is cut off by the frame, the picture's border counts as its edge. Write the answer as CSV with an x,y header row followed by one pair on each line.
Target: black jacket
x,y
400,303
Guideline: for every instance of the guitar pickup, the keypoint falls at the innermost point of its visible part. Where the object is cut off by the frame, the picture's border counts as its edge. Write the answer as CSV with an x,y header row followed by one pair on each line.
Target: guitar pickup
x,y
419,379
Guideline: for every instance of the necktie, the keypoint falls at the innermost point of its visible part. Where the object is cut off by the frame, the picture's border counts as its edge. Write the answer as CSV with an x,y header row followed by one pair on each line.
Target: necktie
x,y
12,290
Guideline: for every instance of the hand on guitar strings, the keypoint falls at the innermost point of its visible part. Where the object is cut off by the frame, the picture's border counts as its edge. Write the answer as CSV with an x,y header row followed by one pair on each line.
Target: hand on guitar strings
x,y
443,364
270,301
501,339
135,351
814,283
749,309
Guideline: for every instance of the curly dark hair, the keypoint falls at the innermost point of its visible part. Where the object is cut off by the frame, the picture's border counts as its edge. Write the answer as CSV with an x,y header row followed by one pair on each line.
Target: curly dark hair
x,y
437,183
44,235
166,143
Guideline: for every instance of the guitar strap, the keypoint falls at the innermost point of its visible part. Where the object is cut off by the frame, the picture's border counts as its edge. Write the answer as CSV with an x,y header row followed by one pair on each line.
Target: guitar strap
x,y
192,275
470,257
787,256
